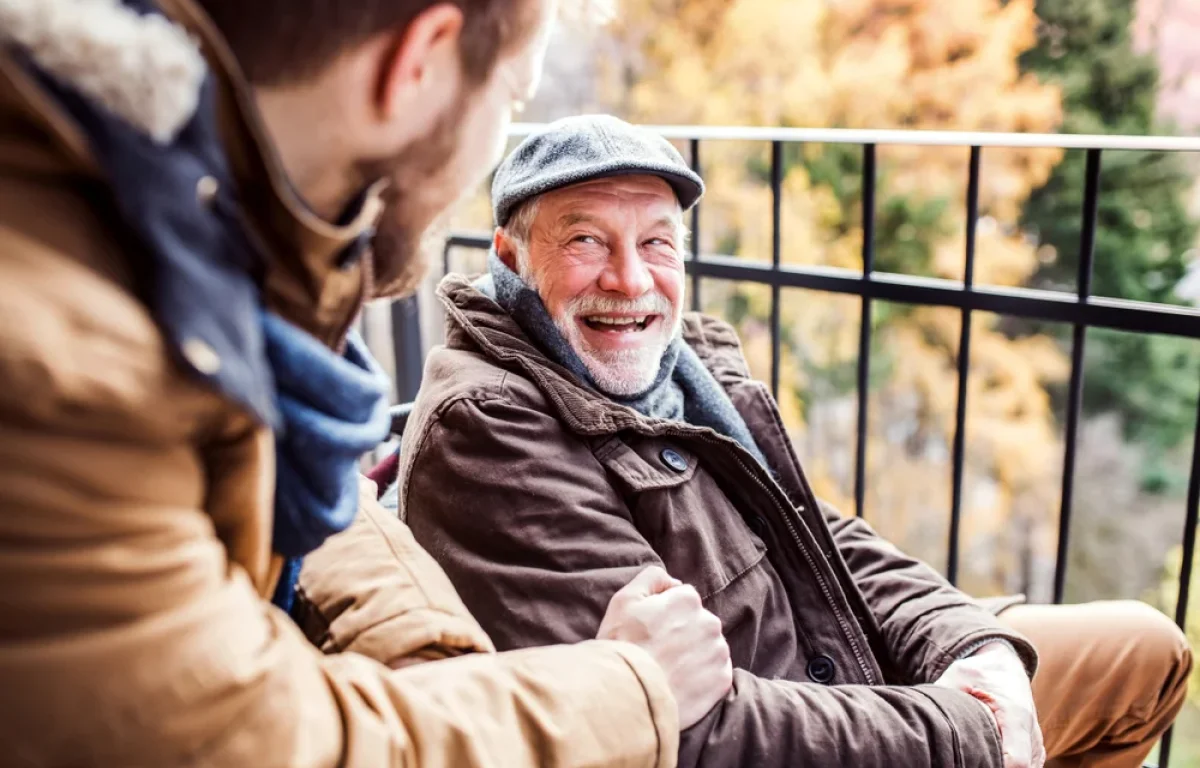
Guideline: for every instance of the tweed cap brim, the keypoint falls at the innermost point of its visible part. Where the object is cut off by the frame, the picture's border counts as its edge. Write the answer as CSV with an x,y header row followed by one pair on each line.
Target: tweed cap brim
x,y
580,149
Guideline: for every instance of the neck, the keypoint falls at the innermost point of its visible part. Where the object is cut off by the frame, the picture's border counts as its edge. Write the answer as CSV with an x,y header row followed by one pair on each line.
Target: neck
x,y
303,124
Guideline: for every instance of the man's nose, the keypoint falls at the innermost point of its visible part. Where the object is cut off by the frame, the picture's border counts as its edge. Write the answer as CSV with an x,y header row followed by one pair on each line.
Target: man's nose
x,y
626,273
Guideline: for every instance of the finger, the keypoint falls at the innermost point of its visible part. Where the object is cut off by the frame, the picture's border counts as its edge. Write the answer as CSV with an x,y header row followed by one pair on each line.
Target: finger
x,y
684,597
1039,754
711,624
651,581
1018,745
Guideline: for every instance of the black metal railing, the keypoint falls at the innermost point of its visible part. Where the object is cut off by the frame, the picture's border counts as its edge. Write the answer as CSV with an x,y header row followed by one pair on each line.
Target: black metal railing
x,y
1082,310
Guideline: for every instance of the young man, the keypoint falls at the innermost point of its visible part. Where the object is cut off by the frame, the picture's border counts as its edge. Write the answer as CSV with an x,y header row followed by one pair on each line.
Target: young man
x,y
578,426
181,409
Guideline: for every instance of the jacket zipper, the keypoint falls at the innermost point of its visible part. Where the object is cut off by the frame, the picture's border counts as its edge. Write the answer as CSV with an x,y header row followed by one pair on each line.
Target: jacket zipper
x,y
847,631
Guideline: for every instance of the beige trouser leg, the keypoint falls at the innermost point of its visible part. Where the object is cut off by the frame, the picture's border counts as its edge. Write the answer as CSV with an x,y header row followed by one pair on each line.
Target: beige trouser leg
x,y
1112,677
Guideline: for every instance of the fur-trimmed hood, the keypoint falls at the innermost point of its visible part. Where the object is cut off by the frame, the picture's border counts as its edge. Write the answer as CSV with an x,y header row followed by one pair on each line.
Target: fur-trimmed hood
x,y
147,96
143,68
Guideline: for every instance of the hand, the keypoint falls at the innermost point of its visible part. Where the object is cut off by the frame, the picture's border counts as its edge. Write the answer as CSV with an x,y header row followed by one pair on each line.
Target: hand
x,y
996,676
666,619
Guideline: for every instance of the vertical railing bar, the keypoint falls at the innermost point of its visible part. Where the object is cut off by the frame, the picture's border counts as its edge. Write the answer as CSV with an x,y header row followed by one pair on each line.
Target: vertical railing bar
x,y
1087,248
1191,520
864,328
1189,532
406,346
964,366
695,147
776,257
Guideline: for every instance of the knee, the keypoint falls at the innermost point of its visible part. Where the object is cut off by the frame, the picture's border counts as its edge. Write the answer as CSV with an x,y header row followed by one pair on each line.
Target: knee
x,y
1159,654
1160,638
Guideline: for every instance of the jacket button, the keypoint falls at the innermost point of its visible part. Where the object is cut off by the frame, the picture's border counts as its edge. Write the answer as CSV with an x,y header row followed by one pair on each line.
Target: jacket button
x,y
206,190
821,669
673,460
201,355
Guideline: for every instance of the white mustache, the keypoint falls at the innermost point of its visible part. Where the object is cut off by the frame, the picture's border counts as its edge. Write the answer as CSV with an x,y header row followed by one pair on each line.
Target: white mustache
x,y
649,304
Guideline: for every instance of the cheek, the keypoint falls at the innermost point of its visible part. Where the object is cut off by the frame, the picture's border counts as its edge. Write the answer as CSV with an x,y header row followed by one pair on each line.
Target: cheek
x,y
483,131
670,281
492,130
561,283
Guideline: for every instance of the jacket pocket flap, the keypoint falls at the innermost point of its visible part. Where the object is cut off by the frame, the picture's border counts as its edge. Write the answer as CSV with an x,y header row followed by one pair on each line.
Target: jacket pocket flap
x,y
656,465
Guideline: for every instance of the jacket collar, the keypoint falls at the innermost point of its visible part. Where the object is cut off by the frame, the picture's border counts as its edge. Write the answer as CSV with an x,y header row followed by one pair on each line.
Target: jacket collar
x,y
317,273
323,271
473,316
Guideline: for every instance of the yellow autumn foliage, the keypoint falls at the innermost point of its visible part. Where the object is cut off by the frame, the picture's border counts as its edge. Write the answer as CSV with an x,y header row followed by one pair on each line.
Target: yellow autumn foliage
x,y
911,64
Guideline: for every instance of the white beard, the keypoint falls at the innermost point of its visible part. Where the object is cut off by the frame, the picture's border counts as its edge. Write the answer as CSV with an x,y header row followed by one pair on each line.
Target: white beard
x,y
622,373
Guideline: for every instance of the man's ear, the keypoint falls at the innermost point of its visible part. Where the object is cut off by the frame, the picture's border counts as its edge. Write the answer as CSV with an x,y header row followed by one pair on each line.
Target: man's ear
x,y
505,249
421,63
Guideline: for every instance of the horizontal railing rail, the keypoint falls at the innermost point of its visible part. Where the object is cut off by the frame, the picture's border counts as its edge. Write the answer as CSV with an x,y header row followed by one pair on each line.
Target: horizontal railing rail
x,y
1079,309
914,138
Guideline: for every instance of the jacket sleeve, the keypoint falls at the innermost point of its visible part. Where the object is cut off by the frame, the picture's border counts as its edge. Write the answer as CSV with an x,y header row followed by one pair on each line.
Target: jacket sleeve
x,y
927,624
372,590
129,638
491,504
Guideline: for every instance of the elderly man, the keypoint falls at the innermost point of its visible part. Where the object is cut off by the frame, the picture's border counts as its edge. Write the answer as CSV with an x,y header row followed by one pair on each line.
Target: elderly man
x,y
577,426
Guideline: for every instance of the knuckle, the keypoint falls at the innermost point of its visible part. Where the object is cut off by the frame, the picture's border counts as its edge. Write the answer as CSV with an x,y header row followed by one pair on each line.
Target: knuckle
x,y
622,595
620,602
727,675
653,573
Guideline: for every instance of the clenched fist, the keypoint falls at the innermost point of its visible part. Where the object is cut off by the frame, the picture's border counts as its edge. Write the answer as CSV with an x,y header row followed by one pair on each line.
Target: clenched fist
x,y
666,619
996,676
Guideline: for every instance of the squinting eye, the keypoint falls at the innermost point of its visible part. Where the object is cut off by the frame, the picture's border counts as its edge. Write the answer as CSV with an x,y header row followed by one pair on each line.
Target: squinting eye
x,y
585,239
657,241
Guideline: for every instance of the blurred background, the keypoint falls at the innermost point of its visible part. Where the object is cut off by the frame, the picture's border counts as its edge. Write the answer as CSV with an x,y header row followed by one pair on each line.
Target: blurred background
x,y
1129,67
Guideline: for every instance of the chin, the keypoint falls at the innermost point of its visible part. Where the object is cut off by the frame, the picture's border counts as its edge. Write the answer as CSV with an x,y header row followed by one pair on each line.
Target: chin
x,y
402,259
623,380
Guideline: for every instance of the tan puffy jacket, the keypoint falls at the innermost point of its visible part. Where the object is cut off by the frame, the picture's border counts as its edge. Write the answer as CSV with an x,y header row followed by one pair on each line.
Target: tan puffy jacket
x,y
135,523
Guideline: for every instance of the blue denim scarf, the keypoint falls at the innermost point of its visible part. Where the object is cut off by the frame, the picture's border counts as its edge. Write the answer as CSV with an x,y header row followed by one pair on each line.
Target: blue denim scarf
x,y
334,408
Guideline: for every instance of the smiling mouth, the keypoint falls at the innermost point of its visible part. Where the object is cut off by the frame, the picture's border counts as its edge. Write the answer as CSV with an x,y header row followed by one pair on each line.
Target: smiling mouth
x,y
626,324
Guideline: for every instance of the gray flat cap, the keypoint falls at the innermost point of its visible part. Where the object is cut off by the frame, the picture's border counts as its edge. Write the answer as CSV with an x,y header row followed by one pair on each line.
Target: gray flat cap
x,y
578,149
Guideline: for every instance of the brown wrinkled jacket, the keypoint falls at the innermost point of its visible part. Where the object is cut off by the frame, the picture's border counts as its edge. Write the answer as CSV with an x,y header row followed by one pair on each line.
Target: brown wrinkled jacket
x,y
541,498
136,513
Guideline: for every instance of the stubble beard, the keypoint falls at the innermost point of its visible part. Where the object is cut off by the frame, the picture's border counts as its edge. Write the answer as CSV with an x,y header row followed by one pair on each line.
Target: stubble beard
x,y
409,233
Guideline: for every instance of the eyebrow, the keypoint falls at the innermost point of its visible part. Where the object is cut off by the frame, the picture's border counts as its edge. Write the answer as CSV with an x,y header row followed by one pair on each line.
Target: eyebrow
x,y
669,222
571,219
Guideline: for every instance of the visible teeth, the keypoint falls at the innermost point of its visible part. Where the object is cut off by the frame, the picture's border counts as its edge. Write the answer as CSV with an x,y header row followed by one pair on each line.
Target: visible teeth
x,y
624,323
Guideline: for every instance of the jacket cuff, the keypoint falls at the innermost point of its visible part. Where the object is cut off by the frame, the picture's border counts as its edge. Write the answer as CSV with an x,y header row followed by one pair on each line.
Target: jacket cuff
x,y
977,735
976,640
664,712
971,649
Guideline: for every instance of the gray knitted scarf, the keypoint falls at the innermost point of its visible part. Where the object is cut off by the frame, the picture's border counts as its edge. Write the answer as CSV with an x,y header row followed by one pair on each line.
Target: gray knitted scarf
x,y
684,390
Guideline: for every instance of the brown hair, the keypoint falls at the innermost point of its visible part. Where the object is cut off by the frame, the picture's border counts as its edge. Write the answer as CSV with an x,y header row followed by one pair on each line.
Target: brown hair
x,y
285,41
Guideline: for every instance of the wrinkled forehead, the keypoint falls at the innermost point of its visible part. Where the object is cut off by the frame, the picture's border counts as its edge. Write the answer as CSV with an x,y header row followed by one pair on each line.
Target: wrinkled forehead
x,y
635,197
